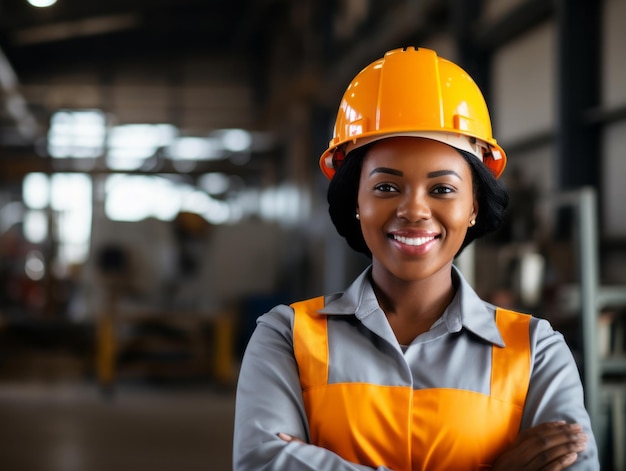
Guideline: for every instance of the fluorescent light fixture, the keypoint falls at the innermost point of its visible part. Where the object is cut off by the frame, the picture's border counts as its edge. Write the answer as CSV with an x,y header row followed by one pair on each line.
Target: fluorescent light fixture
x,y
129,145
214,183
236,140
136,197
36,190
77,134
42,3
35,226
70,196
195,148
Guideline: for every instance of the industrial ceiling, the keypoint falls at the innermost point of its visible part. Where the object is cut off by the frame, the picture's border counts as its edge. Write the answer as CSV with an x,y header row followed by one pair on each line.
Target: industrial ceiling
x,y
80,48
200,64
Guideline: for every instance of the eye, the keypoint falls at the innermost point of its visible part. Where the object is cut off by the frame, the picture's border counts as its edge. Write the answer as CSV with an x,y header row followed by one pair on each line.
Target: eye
x,y
385,187
443,190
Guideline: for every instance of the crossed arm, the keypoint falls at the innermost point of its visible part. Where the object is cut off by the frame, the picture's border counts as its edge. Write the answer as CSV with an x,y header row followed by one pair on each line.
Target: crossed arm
x,y
271,431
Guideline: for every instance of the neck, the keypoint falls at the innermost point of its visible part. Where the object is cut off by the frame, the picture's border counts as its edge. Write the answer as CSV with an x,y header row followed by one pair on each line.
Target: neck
x,y
413,306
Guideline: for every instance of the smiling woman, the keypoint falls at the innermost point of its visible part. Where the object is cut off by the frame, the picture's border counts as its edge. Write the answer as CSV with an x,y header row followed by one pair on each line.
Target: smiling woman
x,y
443,380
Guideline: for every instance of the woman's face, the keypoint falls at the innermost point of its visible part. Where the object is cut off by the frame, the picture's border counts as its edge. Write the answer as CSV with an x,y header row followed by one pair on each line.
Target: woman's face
x,y
415,204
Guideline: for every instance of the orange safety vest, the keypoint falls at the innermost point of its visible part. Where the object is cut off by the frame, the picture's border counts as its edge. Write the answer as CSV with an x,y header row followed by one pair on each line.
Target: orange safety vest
x,y
405,429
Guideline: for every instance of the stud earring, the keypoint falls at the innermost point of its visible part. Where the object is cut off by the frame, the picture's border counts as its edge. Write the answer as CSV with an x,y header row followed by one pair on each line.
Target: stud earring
x,y
472,222
358,216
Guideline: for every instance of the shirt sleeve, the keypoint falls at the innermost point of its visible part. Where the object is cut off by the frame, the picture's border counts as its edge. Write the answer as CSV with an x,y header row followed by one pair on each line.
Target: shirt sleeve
x,y
555,391
269,401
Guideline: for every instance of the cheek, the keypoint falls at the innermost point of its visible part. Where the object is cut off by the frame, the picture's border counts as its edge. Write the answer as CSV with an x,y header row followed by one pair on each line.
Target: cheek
x,y
367,212
369,220
457,217
374,210
365,207
373,219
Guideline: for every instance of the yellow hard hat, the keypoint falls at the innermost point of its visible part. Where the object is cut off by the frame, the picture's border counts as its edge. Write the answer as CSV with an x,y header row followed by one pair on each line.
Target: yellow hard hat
x,y
413,92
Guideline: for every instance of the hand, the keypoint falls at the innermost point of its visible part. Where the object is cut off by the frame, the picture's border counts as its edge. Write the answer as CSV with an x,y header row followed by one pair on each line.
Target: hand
x,y
289,438
551,446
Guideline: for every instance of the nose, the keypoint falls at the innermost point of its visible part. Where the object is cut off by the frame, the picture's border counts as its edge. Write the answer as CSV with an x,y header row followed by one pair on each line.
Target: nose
x,y
414,207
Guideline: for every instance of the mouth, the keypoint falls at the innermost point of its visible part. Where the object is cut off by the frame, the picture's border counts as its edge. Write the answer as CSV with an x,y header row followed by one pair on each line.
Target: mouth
x,y
412,241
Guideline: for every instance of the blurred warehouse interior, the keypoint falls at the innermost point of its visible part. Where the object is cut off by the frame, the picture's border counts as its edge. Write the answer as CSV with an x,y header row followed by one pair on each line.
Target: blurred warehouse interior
x,y
160,189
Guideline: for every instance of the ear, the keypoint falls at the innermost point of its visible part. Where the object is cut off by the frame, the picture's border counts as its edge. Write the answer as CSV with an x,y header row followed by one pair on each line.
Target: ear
x,y
474,212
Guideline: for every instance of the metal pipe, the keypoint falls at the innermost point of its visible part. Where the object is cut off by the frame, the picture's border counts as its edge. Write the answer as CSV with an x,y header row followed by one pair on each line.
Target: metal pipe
x,y
589,274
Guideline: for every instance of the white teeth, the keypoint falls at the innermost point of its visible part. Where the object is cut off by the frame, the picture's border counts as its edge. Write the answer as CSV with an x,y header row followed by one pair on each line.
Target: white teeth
x,y
413,240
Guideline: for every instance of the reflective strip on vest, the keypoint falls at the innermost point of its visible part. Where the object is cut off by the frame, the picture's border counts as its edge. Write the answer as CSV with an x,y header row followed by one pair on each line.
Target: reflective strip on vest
x,y
405,429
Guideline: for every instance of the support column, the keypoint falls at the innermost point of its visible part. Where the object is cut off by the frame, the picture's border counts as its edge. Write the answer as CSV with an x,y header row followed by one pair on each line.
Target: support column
x,y
578,91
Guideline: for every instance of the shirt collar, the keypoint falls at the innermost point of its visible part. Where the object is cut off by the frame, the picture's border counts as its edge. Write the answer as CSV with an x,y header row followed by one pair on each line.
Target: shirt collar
x,y
466,310
469,311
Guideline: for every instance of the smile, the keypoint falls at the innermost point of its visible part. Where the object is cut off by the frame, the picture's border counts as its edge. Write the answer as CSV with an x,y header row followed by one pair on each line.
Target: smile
x,y
415,241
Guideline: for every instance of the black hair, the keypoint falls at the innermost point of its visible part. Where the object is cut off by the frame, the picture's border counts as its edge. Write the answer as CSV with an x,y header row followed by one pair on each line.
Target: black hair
x,y
342,200
490,193
492,197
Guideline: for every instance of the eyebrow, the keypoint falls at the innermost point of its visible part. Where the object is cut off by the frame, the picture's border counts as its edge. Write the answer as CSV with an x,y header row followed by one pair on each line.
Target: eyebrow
x,y
435,174
441,173
390,171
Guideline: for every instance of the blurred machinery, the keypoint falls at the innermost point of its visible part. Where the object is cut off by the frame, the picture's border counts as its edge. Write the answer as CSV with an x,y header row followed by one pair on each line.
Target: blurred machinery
x,y
557,276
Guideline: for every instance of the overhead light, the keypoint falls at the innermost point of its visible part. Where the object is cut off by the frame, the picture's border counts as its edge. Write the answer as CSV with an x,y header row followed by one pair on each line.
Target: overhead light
x,y
195,148
214,183
42,3
129,145
236,140
77,134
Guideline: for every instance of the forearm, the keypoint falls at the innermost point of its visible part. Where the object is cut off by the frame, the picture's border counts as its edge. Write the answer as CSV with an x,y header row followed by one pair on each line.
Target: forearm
x,y
269,401
295,456
556,393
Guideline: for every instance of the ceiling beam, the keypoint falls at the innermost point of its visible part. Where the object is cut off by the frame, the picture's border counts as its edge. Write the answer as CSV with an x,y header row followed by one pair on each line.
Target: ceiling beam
x,y
517,21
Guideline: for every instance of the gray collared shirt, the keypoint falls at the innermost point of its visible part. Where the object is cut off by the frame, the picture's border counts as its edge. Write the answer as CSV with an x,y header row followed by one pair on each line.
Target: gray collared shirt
x,y
452,354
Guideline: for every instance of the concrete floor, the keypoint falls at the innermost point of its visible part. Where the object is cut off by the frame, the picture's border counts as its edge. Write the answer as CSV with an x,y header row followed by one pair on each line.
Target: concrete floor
x,y
72,427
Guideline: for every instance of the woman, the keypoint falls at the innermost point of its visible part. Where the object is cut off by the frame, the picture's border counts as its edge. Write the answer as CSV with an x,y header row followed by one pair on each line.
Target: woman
x,y
408,369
